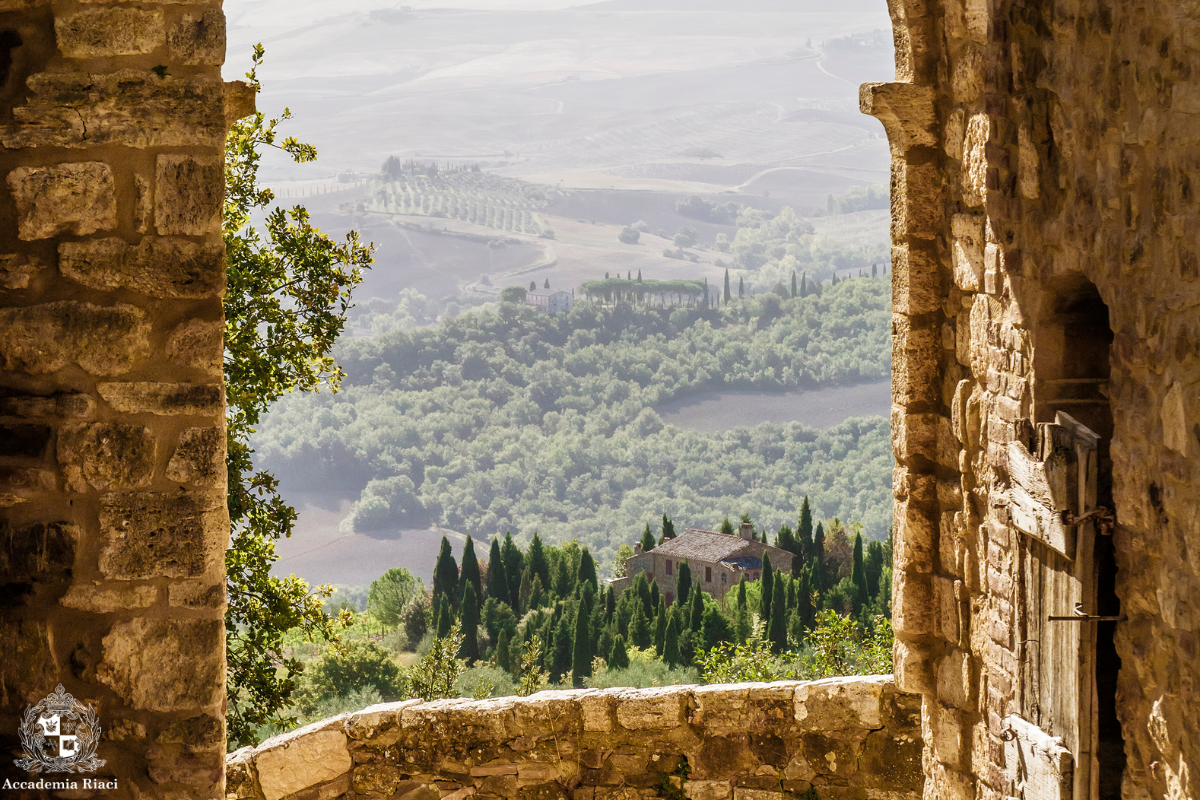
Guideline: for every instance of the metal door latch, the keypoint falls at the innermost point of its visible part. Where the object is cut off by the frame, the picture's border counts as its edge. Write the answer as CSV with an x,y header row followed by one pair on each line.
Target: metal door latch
x,y
1082,616
1103,517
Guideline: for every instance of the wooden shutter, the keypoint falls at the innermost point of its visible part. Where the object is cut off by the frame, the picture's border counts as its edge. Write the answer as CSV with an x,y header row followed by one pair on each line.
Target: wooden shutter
x,y
1058,579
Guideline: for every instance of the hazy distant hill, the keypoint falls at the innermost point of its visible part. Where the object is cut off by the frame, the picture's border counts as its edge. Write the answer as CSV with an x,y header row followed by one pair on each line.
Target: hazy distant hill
x,y
735,6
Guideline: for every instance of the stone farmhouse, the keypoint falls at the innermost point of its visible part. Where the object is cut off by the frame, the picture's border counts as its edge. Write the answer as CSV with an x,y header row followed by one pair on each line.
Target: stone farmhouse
x,y
717,561
1045,399
549,302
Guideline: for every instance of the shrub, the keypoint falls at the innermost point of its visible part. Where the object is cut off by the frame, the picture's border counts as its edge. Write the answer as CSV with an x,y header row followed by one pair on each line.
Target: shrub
x,y
629,235
355,666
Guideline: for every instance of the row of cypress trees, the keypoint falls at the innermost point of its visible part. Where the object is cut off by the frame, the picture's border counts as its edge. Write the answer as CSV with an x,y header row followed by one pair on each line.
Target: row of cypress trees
x,y
553,593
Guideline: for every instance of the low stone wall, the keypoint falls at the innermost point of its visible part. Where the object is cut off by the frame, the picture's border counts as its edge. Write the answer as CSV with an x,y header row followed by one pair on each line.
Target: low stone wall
x,y
841,738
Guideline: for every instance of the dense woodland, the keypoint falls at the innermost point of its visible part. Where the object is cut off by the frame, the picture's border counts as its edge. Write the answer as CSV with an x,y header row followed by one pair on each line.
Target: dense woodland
x,y
502,419
518,620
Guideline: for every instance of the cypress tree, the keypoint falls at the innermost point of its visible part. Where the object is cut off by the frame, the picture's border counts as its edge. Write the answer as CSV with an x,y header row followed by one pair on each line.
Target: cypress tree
x,y
514,565
803,284
817,579
547,284
610,604
671,653
564,581
741,592
668,528
741,288
858,576
639,276
639,627
660,628
793,283
715,628
470,624
654,597
537,595
768,587
470,570
791,593
777,628
804,532
697,610
537,560
497,581
819,543
587,571
503,659
727,527
618,658
804,606
526,591
563,651
727,295
647,539
683,585
445,618
445,574
874,562
785,540
581,657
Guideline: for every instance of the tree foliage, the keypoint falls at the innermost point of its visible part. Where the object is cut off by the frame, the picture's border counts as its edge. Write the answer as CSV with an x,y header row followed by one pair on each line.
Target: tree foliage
x,y
287,292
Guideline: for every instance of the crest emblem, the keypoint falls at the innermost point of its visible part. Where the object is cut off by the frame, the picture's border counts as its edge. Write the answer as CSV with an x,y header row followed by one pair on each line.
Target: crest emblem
x,y
59,734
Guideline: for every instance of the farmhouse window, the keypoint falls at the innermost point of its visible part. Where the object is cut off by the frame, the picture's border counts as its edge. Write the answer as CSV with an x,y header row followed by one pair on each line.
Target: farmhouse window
x,y
670,567
708,574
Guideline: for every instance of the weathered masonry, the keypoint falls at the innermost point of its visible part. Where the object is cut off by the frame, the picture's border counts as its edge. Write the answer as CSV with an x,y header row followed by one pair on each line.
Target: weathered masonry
x,y
841,738
112,478
1046,392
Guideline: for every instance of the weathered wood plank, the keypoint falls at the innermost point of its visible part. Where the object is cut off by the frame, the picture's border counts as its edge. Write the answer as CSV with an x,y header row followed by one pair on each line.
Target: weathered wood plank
x,y
1038,764
1042,523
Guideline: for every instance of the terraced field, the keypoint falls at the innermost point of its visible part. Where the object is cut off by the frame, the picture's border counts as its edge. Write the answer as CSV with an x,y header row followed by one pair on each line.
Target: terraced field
x,y
481,198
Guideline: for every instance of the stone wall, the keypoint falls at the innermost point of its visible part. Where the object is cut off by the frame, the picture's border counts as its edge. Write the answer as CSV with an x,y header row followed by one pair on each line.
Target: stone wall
x,y
1045,259
112,478
845,738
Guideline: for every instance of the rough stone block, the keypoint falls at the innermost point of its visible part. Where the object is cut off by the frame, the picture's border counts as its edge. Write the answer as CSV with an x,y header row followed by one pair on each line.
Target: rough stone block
x,y
290,763
17,270
136,651
106,455
199,39
197,595
916,281
130,107
46,338
163,398
914,612
197,344
158,267
645,709
160,534
707,790
954,679
20,484
57,406
102,599
199,458
77,198
842,704
188,194
96,32
916,358
967,230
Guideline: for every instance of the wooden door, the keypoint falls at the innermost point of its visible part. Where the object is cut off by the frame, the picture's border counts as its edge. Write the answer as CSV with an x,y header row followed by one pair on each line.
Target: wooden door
x,y
1054,481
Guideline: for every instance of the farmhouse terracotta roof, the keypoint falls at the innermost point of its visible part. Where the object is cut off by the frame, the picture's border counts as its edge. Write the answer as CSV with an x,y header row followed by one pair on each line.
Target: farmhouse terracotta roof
x,y
702,545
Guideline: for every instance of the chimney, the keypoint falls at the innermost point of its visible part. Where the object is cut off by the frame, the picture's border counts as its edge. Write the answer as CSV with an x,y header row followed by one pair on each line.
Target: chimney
x,y
637,549
747,530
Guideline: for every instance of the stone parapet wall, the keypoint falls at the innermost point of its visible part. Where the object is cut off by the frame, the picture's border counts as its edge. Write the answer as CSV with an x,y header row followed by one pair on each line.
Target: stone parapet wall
x,y
113,519
844,738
